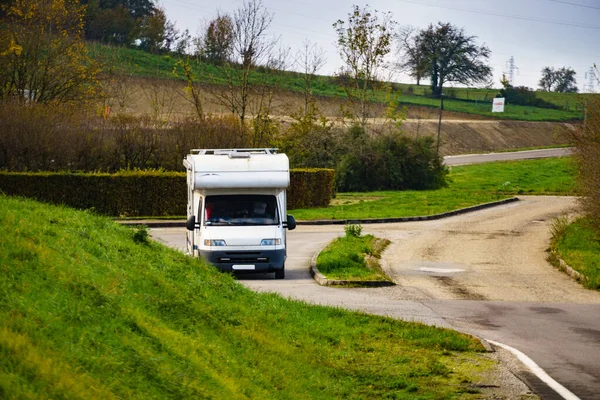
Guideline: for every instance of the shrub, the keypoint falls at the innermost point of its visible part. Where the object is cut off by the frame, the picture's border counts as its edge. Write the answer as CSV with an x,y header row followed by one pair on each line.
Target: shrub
x,y
392,162
50,137
310,141
143,193
353,230
310,188
126,193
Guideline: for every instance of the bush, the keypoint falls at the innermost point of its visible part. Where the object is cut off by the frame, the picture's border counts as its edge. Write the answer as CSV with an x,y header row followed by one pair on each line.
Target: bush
x,y
353,230
392,162
126,193
143,193
310,188
310,141
50,137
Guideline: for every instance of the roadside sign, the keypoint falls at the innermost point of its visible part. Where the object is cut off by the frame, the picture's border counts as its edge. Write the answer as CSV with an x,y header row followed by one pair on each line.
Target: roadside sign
x,y
498,104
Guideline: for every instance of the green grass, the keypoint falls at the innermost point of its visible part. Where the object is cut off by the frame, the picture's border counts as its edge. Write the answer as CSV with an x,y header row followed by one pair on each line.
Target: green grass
x,y
91,309
470,185
344,259
471,101
578,245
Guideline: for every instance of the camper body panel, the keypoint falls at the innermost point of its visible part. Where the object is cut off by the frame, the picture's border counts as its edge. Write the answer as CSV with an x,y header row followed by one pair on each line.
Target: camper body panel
x,y
239,210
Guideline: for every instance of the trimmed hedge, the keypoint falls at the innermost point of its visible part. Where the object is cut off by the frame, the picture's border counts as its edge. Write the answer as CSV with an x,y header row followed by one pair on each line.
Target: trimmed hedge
x,y
143,193
123,194
310,188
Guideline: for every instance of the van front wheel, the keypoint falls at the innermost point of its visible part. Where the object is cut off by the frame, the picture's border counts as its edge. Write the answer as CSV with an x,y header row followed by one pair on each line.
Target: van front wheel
x,y
280,273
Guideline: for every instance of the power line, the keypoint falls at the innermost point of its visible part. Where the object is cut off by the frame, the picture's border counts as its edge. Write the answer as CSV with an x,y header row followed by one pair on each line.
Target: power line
x,y
548,21
575,4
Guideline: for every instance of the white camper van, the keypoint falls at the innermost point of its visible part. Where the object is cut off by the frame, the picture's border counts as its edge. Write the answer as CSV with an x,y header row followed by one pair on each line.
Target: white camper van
x,y
236,208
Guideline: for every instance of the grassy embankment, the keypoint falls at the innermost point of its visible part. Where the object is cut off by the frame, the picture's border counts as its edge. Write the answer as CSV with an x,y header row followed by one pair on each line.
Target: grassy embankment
x,y
354,257
92,309
578,245
471,101
469,185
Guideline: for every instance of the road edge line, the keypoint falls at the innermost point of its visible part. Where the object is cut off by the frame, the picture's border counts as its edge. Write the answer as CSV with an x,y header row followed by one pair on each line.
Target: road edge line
x,y
538,371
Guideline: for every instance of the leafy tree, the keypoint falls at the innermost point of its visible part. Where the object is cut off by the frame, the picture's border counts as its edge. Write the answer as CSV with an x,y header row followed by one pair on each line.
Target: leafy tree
x,y
413,59
558,80
158,34
116,21
452,56
364,40
42,55
218,40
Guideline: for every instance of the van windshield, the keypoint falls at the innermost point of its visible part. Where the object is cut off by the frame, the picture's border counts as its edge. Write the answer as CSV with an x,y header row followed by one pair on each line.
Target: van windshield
x,y
240,210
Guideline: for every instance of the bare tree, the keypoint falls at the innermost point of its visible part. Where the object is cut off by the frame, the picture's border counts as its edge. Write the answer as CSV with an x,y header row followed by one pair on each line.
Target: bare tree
x,y
364,40
413,60
309,60
250,48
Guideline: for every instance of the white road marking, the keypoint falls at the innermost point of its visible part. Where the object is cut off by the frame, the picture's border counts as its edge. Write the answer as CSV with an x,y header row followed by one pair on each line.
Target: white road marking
x,y
441,270
539,372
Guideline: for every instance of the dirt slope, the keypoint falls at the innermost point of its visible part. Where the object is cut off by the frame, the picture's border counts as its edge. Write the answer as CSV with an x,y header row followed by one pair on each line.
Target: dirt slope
x,y
460,133
464,137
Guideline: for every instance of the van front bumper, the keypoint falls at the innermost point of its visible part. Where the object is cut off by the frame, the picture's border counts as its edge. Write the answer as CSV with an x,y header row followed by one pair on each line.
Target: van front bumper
x,y
246,261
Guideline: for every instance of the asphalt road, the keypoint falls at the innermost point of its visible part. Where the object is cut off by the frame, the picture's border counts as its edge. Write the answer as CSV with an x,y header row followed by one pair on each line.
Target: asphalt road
x,y
514,155
484,273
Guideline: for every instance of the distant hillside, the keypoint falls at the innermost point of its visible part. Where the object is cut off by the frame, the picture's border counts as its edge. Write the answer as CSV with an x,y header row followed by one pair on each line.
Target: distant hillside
x,y
137,63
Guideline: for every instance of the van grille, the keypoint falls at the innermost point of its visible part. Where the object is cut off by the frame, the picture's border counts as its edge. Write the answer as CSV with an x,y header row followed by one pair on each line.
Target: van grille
x,y
251,257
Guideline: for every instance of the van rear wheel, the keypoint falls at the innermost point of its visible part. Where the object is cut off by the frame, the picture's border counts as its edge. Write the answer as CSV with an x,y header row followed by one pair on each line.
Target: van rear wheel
x,y
280,273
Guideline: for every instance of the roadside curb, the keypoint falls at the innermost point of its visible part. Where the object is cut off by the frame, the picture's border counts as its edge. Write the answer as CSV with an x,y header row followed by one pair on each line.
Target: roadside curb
x,y
324,281
563,266
181,223
409,219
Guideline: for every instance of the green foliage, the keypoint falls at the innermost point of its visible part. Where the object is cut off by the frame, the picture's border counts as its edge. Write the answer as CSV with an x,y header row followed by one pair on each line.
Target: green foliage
x,y
346,258
141,235
117,21
449,55
42,55
353,230
310,188
143,193
468,100
469,185
363,42
310,141
125,193
521,95
391,162
85,312
578,245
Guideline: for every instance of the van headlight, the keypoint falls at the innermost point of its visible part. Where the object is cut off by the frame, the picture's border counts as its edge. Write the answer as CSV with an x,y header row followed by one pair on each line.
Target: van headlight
x,y
215,242
270,242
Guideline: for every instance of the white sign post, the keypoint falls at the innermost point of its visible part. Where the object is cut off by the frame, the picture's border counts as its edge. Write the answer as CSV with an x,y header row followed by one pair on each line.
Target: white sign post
x,y
498,104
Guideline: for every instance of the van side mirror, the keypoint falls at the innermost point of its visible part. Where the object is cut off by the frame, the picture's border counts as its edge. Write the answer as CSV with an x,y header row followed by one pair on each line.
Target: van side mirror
x,y
291,222
191,223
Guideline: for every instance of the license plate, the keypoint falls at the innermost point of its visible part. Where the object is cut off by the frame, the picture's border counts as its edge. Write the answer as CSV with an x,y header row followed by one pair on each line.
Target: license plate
x,y
244,267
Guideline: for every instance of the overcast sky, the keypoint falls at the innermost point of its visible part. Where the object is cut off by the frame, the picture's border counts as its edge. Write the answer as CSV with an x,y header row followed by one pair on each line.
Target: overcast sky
x,y
537,33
